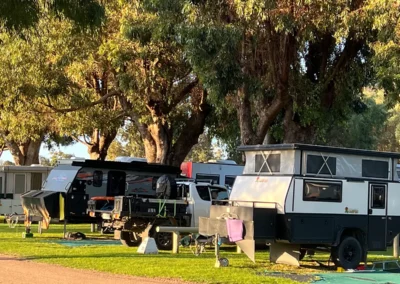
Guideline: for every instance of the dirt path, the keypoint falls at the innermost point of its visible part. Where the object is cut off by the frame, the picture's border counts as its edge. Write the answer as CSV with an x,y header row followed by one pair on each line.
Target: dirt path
x,y
17,270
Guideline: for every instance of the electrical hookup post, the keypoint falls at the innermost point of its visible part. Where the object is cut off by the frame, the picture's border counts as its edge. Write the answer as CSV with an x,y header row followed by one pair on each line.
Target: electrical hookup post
x,y
28,223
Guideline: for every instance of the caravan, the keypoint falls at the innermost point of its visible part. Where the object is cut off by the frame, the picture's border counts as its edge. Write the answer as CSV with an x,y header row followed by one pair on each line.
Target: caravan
x,y
298,197
15,181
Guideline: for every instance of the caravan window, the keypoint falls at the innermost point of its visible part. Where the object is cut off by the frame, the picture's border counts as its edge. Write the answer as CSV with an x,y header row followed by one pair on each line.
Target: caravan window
x,y
206,177
375,169
271,164
20,182
97,178
322,165
36,181
322,191
230,180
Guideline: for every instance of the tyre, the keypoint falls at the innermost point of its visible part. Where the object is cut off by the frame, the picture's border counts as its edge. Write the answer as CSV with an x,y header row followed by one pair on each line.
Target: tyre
x,y
349,253
130,239
163,240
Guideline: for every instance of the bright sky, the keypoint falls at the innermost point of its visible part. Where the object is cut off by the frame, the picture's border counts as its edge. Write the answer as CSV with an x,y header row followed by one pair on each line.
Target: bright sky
x,y
79,150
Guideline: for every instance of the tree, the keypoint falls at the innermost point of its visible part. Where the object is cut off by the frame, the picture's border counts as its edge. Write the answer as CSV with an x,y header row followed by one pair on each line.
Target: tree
x,y
20,14
365,129
128,143
157,89
288,62
6,163
32,61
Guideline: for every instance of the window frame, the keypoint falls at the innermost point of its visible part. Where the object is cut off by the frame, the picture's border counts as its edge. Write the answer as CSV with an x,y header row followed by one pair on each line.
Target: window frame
x,y
372,186
322,182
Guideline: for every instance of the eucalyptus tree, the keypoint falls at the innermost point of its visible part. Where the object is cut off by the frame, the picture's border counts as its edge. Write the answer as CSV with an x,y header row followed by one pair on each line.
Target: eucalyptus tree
x,y
298,63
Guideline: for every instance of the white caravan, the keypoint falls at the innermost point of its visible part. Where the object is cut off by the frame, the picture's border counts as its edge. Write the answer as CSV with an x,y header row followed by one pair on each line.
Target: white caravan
x,y
223,172
16,180
299,197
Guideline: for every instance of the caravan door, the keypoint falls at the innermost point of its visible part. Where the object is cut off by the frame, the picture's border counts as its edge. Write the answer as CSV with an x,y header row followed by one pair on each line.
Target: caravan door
x,y
377,216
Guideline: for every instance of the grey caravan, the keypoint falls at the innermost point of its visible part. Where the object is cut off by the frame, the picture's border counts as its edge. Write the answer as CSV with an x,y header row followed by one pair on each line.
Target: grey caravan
x,y
69,186
300,197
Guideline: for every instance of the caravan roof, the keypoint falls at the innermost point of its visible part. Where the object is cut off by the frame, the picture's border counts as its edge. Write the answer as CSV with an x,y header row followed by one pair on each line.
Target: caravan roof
x,y
320,148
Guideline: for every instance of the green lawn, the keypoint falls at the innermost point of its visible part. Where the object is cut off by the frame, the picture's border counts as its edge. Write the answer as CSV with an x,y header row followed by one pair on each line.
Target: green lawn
x,y
123,260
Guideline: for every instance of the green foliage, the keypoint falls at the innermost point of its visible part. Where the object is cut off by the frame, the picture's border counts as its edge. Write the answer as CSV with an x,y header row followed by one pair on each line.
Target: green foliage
x,y
363,130
202,151
20,14
127,143
214,53
6,163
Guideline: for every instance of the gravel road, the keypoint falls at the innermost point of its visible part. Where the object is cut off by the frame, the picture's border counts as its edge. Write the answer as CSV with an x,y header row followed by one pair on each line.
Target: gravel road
x,y
18,270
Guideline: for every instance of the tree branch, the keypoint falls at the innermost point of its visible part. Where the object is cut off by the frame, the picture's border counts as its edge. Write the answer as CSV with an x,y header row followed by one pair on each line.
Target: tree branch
x,y
84,106
80,141
181,95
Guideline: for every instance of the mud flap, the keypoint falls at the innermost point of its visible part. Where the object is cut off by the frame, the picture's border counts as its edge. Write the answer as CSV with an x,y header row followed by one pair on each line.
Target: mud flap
x,y
285,254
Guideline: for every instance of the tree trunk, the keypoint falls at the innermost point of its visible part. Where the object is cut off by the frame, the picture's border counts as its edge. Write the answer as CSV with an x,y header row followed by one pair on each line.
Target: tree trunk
x,y
27,153
294,132
189,136
158,140
99,144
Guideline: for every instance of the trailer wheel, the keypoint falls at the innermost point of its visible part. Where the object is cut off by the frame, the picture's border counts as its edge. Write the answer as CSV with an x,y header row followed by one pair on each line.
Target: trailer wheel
x,y
128,239
349,253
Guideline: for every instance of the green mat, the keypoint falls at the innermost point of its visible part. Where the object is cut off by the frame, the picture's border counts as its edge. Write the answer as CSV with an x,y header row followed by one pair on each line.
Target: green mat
x,y
355,278
88,242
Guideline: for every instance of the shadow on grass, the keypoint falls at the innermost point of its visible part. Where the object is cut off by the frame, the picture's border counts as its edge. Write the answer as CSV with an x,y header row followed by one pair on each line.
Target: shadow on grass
x,y
124,255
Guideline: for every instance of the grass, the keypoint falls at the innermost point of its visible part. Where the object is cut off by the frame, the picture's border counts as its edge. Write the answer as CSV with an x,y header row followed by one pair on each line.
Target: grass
x,y
123,260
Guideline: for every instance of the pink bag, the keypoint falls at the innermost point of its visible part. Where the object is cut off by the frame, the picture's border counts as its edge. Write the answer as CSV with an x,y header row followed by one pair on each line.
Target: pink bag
x,y
235,230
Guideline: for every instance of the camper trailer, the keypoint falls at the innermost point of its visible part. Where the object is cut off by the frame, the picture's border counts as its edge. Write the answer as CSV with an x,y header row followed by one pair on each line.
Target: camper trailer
x,y
223,172
65,193
298,197
16,180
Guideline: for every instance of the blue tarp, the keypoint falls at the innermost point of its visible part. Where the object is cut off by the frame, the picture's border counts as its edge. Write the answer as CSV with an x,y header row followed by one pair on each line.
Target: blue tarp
x,y
89,242
355,278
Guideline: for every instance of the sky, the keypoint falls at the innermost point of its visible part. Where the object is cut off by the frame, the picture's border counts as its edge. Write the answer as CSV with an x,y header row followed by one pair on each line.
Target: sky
x,y
78,150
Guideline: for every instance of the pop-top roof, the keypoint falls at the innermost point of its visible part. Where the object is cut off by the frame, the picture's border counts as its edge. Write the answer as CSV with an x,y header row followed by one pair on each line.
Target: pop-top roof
x,y
319,148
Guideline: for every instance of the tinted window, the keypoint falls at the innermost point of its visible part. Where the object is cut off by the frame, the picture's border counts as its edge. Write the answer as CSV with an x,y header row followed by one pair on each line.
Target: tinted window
x,y
317,165
375,169
206,177
203,192
322,191
272,164
230,180
116,183
97,178
378,196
